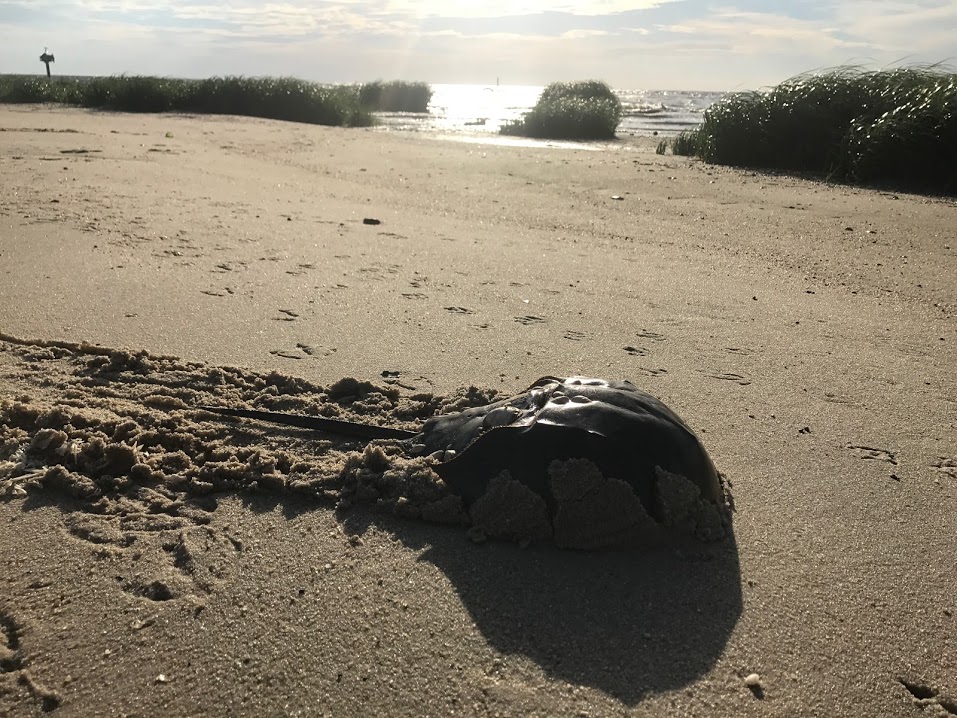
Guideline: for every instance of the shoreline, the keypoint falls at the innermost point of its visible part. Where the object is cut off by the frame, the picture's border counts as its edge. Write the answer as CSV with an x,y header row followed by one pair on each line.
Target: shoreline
x,y
806,331
633,142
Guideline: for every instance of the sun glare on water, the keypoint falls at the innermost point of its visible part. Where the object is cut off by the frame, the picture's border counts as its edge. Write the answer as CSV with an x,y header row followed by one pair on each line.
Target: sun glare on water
x,y
488,107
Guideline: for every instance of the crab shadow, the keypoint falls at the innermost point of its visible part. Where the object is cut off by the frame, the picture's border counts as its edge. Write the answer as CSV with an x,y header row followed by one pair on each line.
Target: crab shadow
x,y
627,623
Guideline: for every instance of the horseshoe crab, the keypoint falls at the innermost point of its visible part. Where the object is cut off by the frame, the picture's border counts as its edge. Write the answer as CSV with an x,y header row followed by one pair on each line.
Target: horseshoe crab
x,y
630,436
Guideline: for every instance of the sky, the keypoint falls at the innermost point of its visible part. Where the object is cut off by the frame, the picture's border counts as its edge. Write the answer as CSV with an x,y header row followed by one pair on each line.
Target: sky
x,y
644,44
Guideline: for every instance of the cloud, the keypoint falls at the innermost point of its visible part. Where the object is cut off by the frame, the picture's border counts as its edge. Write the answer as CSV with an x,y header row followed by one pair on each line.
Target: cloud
x,y
923,28
580,34
695,44
507,8
753,33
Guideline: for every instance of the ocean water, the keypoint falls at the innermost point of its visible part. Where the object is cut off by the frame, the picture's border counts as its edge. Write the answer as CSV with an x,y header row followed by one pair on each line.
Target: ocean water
x,y
477,110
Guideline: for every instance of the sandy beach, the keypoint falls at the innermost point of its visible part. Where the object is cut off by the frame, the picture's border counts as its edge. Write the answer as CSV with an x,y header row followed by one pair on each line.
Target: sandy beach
x,y
807,333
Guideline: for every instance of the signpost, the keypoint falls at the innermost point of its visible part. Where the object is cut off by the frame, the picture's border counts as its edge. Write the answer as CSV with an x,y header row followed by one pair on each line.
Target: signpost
x,y
46,58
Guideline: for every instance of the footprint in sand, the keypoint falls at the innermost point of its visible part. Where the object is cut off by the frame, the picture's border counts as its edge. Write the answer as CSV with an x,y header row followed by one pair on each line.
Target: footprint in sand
x,y
945,467
204,555
728,376
302,351
161,557
459,310
924,696
575,336
288,315
653,336
636,351
872,454
379,271
530,319
393,377
12,661
300,269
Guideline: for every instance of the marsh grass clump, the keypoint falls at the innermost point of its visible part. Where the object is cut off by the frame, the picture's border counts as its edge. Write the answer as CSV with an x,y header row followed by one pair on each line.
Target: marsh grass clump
x,y
395,96
685,143
890,126
282,98
583,110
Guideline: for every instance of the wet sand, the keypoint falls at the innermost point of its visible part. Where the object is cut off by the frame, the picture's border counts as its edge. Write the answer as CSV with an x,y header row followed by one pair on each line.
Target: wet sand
x,y
805,331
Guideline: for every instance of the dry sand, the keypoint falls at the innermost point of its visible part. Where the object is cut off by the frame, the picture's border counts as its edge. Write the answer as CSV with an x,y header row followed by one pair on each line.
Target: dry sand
x,y
807,333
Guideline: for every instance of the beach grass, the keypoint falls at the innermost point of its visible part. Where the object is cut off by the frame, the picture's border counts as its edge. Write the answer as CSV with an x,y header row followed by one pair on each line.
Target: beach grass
x,y
275,98
896,126
583,110
395,96
684,143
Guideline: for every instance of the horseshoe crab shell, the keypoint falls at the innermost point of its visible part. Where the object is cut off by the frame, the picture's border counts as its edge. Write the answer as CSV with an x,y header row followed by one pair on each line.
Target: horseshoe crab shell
x,y
625,432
